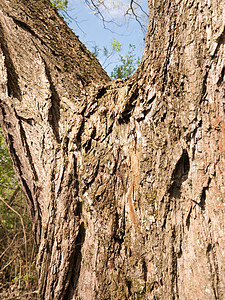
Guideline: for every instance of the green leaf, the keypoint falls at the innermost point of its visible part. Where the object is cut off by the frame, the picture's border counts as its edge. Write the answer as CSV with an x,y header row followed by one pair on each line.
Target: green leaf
x,y
60,4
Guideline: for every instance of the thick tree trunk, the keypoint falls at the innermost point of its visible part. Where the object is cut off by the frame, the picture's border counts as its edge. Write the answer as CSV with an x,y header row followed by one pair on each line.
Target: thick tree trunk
x,y
125,179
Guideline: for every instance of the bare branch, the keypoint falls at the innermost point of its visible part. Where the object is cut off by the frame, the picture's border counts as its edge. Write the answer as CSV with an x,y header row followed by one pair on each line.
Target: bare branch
x,y
99,6
3,253
133,12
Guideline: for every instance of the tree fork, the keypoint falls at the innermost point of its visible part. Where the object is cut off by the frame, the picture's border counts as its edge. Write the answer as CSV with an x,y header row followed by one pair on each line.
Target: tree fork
x,y
124,179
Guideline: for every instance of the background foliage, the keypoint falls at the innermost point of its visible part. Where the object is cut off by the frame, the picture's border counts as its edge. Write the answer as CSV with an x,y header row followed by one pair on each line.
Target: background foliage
x,y
60,4
125,65
17,247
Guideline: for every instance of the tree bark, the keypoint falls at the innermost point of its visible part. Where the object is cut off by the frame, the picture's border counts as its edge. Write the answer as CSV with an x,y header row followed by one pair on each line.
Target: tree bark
x,y
124,179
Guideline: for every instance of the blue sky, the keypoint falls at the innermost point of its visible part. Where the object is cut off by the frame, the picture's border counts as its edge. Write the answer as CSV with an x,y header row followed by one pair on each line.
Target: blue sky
x,y
91,31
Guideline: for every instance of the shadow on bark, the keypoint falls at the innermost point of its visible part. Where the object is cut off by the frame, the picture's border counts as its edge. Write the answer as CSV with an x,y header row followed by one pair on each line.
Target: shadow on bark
x,y
76,263
180,174
12,83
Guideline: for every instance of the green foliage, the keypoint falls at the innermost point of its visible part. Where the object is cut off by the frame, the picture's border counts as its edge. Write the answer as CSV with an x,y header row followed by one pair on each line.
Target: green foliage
x,y
8,183
116,46
127,66
8,180
106,53
60,4
96,51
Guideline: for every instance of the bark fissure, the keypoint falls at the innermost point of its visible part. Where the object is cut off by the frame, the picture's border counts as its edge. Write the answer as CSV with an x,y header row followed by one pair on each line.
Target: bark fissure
x,y
213,264
12,82
76,259
54,111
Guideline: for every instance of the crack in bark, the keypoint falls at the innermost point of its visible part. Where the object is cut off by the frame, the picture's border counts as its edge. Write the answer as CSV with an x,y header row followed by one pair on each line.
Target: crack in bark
x,y
213,263
129,107
220,41
12,76
54,111
72,277
174,281
220,80
79,135
179,175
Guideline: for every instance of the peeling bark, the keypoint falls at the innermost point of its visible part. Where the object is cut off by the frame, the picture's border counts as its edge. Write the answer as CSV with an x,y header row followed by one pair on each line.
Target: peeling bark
x,y
124,179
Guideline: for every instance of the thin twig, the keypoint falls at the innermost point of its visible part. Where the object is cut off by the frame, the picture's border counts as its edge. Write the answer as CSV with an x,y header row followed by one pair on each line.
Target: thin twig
x,y
8,263
131,11
20,296
8,246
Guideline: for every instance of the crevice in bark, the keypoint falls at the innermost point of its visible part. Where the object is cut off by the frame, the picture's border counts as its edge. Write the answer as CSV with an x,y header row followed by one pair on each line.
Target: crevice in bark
x,y
75,265
101,92
87,145
145,270
174,281
29,196
213,263
129,106
54,111
180,174
78,210
220,41
220,80
119,231
188,219
73,181
79,134
13,81
202,199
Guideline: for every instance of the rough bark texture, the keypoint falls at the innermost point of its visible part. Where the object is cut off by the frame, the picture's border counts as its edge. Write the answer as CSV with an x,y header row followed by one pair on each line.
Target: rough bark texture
x,y
125,179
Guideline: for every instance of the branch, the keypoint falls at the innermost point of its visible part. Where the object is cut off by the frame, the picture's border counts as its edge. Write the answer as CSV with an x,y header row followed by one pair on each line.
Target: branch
x,y
137,18
96,7
8,246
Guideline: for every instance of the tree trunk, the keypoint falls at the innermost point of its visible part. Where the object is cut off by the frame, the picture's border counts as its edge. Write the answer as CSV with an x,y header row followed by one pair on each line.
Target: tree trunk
x,y
125,180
